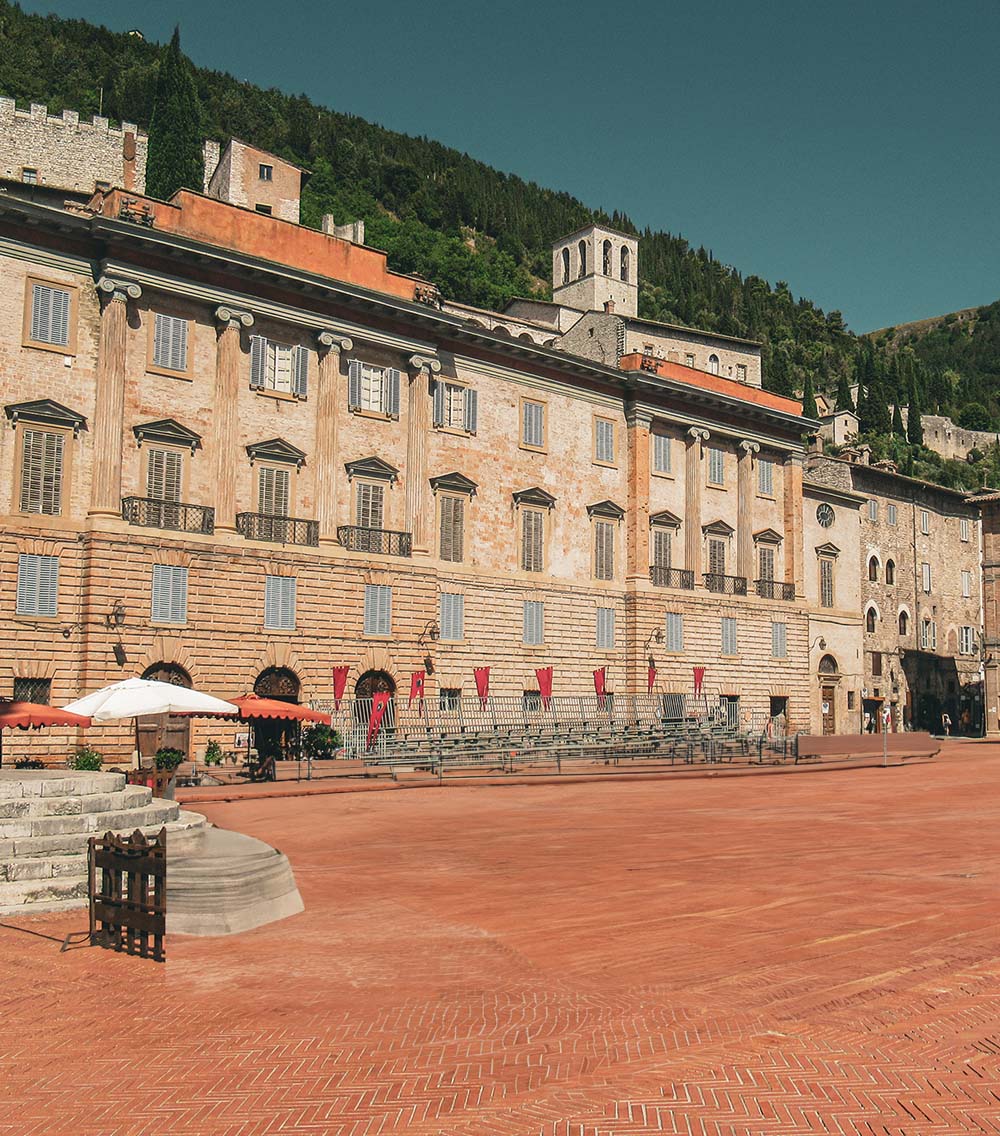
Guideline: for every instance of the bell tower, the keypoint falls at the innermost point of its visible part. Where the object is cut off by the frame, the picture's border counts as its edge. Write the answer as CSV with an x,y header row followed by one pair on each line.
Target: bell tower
x,y
596,266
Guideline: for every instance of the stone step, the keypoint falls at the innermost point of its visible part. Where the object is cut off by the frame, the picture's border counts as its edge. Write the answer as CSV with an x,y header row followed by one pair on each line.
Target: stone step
x,y
37,895
131,797
122,820
17,783
182,830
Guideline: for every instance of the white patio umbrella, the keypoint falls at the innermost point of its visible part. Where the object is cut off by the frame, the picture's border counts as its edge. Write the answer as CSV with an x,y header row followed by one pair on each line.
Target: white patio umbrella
x,y
138,697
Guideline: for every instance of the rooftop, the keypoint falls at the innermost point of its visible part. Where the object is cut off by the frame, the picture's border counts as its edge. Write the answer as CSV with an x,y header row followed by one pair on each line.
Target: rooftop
x,y
715,383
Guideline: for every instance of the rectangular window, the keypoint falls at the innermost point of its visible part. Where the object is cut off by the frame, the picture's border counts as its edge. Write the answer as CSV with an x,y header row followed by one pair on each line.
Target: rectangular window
x,y
741,372
605,628
50,314
717,557
37,584
876,664
170,343
925,522
452,529
728,635
689,360
604,550
604,440
890,514
279,603
928,635
661,548
455,407
826,583
873,510
273,489
266,172
963,526
765,556
278,367
533,424
378,609
716,466
29,175
170,587
661,453
371,388
966,585
534,623
37,690
164,469
368,506
452,617
449,697
779,640
765,478
925,577
265,209
967,643
675,631
532,537
41,472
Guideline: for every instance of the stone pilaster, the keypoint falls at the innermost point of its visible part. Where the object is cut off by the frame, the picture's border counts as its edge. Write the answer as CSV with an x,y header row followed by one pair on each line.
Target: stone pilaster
x,y
692,499
109,412
793,521
225,416
326,447
422,369
637,513
744,509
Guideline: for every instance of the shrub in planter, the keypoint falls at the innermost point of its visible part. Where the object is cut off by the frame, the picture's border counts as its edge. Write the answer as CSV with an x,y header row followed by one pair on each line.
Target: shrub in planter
x,y
319,741
213,753
167,758
86,759
29,763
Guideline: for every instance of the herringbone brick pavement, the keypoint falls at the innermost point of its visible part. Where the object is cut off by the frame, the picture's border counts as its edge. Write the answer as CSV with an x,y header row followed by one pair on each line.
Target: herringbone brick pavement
x,y
786,955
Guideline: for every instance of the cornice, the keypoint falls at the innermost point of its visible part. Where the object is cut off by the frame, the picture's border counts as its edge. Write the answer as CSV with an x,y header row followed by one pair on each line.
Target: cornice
x,y
276,450
607,509
455,483
45,412
534,496
375,468
167,430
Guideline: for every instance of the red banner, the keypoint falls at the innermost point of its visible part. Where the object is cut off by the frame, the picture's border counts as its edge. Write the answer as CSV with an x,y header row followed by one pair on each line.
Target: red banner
x,y
483,685
339,684
379,703
699,678
600,684
416,686
544,675
650,679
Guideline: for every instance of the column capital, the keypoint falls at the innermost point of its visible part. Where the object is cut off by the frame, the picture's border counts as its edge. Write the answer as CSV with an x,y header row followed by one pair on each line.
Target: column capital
x,y
117,288
795,458
427,363
697,434
750,447
634,417
232,317
333,340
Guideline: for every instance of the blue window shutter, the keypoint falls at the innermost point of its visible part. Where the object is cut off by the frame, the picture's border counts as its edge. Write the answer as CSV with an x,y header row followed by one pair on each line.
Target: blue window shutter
x,y
300,375
354,384
392,393
439,392
258,361
471,410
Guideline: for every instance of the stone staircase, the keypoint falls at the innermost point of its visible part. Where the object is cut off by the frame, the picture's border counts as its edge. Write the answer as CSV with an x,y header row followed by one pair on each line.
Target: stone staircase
x,y
218,882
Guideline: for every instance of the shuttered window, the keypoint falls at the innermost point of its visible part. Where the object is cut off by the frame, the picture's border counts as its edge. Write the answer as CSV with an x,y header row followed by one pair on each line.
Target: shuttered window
x,y
963,526
605,628
533,424
170,342
170,584
967,644
662,540
279,367
378,609
373,388
279,603
273,491
369,506
928,635
890,514
765,557
455,407
532,536
779,640
163,475
604,440
728,635
452,528
41,472
50,315
826,583
37,584
765,478
717,557
872,509
675,631
452,617
661,453
925,522
925,576
604,550
534,623
716,466
966,585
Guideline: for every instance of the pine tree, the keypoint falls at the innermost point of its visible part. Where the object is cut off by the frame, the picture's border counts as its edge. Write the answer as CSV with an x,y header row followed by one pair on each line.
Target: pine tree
x,y
174,158
809,398
844,400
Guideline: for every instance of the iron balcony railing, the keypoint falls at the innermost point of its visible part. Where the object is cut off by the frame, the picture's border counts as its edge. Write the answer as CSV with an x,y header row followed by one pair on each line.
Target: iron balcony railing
x,y
726,585
774,590
671,577
382,542
149,513
277,530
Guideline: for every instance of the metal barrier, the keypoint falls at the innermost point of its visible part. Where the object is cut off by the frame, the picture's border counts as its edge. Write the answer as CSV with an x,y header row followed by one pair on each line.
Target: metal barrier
x,y
128,907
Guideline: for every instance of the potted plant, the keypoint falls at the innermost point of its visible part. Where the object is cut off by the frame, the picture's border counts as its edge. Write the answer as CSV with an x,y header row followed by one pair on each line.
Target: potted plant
x,y
166,761
213,753
86,760
319,741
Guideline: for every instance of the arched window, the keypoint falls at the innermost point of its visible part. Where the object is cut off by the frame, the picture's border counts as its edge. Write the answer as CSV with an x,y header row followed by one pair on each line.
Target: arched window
x,y
870,619
565,260
607,258
828,665
890,572
873,568
625,263
713,364
904,623
582,246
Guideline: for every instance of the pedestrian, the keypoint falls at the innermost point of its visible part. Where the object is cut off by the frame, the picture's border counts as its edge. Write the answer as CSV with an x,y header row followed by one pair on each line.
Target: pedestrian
x,y
945,724
868,723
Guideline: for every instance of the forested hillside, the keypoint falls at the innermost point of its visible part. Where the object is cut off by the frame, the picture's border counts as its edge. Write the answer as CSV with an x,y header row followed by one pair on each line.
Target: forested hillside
x,y
483,235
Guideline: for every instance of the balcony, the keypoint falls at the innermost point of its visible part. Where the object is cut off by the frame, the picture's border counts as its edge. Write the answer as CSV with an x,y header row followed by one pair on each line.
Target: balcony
x,y
277,530
380,541
150,513
774,590
671,577
725,585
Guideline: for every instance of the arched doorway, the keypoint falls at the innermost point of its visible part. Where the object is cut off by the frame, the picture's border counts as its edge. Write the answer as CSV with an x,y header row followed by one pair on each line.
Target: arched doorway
x,y
273,737
367,686
165,731
829,676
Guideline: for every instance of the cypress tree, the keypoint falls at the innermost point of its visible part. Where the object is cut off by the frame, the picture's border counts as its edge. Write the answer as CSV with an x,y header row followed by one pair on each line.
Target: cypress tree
x,y
914,427
174,159
808,398
844,400
897,422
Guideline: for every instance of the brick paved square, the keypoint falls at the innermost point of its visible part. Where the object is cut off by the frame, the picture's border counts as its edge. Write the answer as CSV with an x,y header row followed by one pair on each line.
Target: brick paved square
x,y
778,954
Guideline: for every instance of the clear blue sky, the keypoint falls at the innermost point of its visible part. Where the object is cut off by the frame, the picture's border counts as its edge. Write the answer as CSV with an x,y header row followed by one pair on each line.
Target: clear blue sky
x,y
850,149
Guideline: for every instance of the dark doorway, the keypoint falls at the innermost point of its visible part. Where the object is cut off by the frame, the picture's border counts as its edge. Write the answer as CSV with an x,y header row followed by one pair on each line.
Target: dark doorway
x,y
368,685
165,731
276,739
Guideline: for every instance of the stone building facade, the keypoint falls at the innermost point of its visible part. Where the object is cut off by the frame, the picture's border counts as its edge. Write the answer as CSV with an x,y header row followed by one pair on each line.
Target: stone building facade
x,y
989,503
252,178
921,597
240,452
